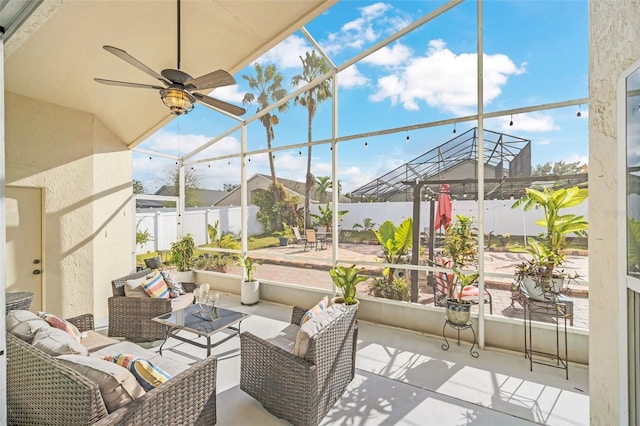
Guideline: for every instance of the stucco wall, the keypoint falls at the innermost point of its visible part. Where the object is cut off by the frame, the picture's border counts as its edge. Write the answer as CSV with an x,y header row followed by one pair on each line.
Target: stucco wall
x,y
85,173
613,45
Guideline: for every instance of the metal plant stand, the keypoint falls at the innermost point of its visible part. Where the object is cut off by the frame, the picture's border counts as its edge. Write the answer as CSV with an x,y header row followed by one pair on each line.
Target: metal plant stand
x,y
459,327
561,309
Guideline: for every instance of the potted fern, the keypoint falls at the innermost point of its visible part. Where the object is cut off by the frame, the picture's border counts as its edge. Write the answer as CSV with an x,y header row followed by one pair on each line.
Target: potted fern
x,y
347,278
250,286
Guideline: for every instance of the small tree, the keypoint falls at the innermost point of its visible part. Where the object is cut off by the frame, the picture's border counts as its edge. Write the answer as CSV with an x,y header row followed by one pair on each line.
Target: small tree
x,y
395,242
275,204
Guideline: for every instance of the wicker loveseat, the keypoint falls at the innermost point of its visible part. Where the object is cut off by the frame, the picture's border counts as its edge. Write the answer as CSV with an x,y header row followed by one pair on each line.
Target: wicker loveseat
x,y
130,317
301,389
43,390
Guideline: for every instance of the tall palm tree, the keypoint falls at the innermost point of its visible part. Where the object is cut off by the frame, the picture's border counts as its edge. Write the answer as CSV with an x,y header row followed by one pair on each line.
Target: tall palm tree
x,y
323,183
313,66
267,83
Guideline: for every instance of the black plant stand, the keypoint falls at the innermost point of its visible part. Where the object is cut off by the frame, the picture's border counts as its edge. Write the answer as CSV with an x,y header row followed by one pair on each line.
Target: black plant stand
x,y
459,327
560,310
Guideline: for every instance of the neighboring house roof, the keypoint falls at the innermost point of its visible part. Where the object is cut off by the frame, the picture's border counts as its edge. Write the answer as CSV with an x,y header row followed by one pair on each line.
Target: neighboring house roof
x,y
205,197
293,186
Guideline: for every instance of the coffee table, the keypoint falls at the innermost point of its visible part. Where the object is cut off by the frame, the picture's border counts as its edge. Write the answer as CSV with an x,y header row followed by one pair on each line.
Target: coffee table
x,y
191,319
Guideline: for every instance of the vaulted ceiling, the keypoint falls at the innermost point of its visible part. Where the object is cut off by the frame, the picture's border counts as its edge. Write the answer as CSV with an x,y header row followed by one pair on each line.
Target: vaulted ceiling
x,y
55,54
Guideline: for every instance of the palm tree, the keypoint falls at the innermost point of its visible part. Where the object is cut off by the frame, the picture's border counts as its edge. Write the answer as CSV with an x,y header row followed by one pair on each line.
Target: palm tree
x,y
267,83
323,183
313,66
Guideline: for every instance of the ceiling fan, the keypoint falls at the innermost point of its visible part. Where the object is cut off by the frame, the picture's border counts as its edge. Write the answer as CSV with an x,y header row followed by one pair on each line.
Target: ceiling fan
x,y
179,91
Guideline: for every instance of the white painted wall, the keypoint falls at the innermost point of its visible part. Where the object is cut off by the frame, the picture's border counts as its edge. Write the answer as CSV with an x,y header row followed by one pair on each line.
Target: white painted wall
x,y
614,31
87,193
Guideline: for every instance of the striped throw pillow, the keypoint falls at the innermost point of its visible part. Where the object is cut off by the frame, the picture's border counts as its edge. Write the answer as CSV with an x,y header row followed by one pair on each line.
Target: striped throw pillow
x,y
146,373
155,286
63,325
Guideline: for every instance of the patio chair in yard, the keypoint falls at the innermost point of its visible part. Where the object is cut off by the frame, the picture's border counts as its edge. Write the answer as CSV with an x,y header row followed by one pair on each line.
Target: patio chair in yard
x,y
298,238
312,240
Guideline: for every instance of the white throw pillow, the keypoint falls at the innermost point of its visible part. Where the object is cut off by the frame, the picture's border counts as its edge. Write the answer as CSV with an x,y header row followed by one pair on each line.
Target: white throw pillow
x,y
117,385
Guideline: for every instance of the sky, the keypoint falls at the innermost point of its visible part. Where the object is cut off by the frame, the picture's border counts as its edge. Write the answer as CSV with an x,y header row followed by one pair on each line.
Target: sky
x,y
535,52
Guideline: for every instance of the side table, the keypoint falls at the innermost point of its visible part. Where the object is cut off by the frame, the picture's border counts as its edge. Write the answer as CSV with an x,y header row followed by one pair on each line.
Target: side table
x,y
459,327
19,300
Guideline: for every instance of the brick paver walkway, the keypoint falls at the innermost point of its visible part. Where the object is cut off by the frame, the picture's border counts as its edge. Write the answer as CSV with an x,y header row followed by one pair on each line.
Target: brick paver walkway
x,y
293,265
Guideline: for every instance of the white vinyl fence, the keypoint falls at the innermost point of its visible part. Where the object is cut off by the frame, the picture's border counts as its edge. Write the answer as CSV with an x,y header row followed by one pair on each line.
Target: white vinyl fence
x,y
162,224
499,218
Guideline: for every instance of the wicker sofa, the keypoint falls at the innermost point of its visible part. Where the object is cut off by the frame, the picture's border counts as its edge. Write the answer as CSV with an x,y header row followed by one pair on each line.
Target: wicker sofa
x,y
130,317
301,389
43,390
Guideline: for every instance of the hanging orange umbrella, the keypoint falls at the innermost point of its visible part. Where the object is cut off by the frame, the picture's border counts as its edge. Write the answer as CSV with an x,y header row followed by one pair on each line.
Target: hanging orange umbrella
x,y
443,211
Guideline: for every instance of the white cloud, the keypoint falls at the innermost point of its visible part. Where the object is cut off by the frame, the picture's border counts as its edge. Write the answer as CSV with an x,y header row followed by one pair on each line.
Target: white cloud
x,y
351,77
528,122
228,93
374,22
393,56
445,80
287,53
543,141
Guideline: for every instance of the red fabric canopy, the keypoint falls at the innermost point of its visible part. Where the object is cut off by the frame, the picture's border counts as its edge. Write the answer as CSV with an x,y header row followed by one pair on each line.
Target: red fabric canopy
x,y
443,211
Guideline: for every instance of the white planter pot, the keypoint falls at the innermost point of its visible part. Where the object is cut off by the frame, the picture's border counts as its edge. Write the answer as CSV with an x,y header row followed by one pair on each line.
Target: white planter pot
x,y
249,292
536,292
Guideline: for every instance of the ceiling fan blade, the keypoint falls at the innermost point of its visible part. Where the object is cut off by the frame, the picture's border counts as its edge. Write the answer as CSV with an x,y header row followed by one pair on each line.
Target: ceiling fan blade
x,y
217,103
136,63
127,84
211,81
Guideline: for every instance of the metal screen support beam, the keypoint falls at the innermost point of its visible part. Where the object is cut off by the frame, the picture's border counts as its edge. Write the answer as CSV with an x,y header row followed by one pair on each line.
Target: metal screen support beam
x,y
415,247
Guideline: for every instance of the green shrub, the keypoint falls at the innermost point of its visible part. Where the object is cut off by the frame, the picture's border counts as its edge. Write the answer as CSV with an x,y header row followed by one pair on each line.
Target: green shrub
x,y
398,289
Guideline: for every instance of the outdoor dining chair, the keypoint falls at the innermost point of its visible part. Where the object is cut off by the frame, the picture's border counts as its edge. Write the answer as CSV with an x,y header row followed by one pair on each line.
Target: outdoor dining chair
x,y
312,240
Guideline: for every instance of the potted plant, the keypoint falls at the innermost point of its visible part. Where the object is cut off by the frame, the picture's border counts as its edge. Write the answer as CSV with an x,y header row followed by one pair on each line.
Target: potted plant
x,y
460,250
250,287
182,257
346,278
285,235
541,275
458,311
395,242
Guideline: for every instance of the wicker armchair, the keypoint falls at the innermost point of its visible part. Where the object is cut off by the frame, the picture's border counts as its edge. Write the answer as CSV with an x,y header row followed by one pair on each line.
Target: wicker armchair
x,y
130,317
301,390
41,390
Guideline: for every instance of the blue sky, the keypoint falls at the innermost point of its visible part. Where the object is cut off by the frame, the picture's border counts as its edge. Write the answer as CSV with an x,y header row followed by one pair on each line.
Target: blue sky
x,y
536,52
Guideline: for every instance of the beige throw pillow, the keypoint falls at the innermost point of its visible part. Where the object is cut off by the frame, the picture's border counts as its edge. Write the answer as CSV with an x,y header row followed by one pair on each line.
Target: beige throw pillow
x,y
133,288
24,324
310,328
117,385
54,342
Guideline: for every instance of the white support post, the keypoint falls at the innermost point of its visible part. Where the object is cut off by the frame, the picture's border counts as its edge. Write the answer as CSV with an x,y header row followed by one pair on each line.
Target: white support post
x,y
244,202
181,199
480,179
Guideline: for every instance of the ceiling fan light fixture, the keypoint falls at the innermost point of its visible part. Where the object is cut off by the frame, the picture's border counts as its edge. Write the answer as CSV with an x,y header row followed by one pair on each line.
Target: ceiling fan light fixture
x,y
179,101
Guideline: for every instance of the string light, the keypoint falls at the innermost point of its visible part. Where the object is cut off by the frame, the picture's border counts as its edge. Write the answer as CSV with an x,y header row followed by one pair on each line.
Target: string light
x,y
300,153
149,157
579,114
454,127
511,122
366,144
408,138
229,163
209,165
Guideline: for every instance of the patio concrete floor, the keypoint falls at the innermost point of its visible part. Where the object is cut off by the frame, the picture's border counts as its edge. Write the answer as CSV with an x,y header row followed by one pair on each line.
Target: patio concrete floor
x,y
293,264
405,378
